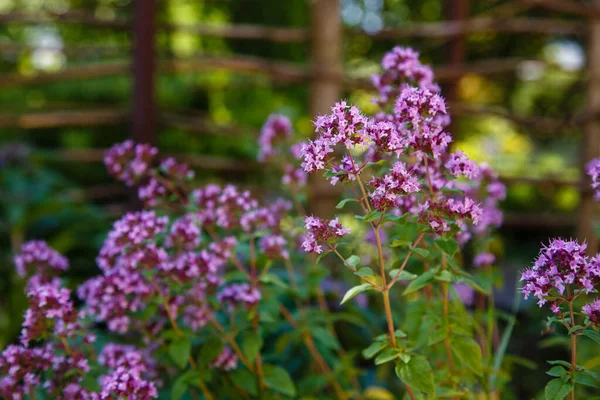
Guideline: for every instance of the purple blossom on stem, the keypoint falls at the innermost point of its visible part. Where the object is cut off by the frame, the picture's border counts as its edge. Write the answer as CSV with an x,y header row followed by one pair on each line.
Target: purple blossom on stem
x,y
126,384
418,106
226,361
592,168
239,293
36,257
130,162
484,259
321,231
276,129
592,310
274,247
388,188
460,165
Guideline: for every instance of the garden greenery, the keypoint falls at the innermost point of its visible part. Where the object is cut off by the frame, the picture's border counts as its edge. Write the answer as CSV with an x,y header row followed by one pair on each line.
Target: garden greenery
x,y
213,293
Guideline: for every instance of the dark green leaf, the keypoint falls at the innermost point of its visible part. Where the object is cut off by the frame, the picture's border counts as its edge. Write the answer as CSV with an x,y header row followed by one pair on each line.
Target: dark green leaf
x,y
373,349
586,380
279,380
372,216
364,271
209,351
356,290
444,276
595,336
404,275
557,389
448,246
420,282
417,374
387,355
353,260
342,203
251,345
325,337
180,387
469,352
557,372
245,380
422,252
560,362
179,350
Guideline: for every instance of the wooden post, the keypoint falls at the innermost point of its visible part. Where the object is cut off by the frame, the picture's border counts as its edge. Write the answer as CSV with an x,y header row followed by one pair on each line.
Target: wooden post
x,y
591,140
456,10
326,42
143,67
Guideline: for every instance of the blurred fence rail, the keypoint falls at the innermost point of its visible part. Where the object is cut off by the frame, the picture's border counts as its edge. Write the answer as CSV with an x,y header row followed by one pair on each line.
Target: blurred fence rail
x,y
324,74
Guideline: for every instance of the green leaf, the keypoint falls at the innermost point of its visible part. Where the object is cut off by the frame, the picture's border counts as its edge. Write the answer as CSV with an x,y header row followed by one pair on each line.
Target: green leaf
x,y
448,246
251,345
364,271
469,352
420,282
209,351
404,275
557,371
437,336
422,252
401,243
595,336
279,380
560,362
325,337
387,355
373,349
274,279
557,389
372,216
353,261
395,218
180,350
469,281
180,387
342,203
245,380
417,374
583,379
356,290
576,328
444,276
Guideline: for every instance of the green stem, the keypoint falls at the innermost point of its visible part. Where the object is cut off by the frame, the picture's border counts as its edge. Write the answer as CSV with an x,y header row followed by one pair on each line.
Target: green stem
x,y
573,348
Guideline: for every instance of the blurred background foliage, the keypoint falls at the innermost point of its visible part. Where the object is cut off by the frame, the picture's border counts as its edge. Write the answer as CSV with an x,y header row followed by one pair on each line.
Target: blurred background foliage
x,y
47,197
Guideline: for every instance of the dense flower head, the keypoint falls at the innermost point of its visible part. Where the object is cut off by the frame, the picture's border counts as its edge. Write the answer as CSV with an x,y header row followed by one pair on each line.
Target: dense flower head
x,y
50,311
175,171
133,229
239,293
226,360
560,263
440,212
192,265
21,369
36,257
386,137
129,357
126,384
276,128
389,187
315,155
592,168
319,231
233,203
401,66
344,125
197,317
152,192
184,233
430,139
274,247
417,106
592,310
130,162
113,296
460,165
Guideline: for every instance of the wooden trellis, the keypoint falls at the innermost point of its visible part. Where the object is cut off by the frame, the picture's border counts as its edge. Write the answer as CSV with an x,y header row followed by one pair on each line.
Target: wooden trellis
x,y
324,74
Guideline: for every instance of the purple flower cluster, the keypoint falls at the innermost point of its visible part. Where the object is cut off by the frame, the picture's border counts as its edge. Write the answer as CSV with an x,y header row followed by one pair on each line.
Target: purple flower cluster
x,y
226,361
123,383
560,265
276,129
50,311
593,170
388,188
401,66
274,247
130,162
460,165
239,293
320,231
20,369
37,258
592,310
